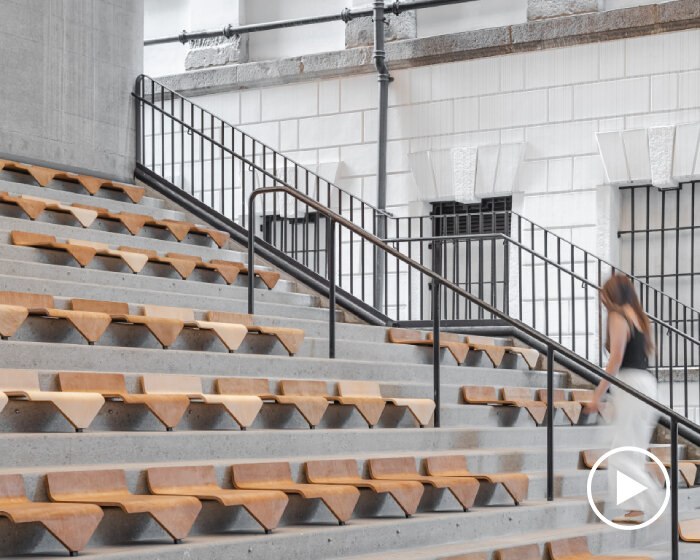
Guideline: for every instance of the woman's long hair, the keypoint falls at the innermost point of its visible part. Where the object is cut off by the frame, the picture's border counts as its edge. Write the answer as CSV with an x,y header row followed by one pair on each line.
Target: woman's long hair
x,y
619,291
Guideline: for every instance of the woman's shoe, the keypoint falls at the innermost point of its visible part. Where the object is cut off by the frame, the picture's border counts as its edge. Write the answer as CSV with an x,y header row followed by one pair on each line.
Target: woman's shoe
x,y
634,517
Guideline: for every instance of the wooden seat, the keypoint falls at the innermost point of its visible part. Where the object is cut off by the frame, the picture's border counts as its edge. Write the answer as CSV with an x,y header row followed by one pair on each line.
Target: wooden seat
x,y
311,407
135,261
404,468
34,206
526,552
585,397
16,306
180,230
415,338
591,456
265,506
79,408
406,493
168,409
339,499
132,222
478,394
689,530
577,549
227,270
470,556
496,352
516,484
184,267
242,408
71,524
291,339
687,468
268,277
571,409
107,488
82,254
421,409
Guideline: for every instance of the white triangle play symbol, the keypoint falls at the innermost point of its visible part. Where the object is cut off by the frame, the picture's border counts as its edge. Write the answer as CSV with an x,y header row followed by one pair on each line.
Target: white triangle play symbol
x,y
628,488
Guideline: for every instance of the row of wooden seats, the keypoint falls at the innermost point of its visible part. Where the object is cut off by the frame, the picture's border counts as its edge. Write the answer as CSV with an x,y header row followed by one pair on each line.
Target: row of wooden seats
x,y
459,346
521,397
92,317
168,396
44,175
261,488
34,206
136,259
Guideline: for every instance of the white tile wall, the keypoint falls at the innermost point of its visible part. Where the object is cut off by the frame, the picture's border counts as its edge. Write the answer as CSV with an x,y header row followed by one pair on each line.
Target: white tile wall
x,y
293,100
607,99
513,109
664,92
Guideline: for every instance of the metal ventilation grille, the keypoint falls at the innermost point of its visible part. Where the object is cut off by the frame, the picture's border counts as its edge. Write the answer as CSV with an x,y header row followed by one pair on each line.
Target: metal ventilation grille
x,y
491,215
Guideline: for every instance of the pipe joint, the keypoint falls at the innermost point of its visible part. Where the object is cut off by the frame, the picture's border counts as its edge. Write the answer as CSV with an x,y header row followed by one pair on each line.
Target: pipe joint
x,y
228,31
182,37
346,15
396,8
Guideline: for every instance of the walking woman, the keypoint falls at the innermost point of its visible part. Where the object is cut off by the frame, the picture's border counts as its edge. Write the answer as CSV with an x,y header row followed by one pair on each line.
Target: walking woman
x,y
630,345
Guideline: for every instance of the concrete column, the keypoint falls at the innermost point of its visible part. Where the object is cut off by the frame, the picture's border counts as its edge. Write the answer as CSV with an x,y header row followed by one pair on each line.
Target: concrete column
x,y
543,9
218,51
360,32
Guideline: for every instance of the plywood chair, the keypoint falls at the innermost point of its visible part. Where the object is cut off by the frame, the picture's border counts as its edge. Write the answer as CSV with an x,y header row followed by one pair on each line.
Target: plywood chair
x,y
577,549
311,407
291,339
585,397
269,277
488,346
525,552
470,556
184,267
16,306
227,271
79,408
71,524
687,468
3,401
516,484
522,396
416,338
591,456
82,254
421,409
689,530
404,468
34,206
134,261
180,230
107,488
406,493
168,409
132,222
571,409
265,506
477,394
339,499
242,408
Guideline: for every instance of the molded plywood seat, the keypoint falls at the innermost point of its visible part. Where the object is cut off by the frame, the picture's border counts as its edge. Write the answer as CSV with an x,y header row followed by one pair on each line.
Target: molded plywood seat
x,y
242,408
180,230
71,524
168,409
516,484
404,468
526,552
406,493
311,407
689,530
269,277
291,339
687,468
16,306
577,549
478,394
571,409
447,340
107,488
585,397
184,267
339,499
496,352
135,261
34,206
422,409
591,456
79,408
227,270
471,556
265,506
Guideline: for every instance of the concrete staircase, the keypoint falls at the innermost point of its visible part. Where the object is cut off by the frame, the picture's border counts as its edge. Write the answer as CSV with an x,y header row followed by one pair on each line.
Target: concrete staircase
x,y
35,440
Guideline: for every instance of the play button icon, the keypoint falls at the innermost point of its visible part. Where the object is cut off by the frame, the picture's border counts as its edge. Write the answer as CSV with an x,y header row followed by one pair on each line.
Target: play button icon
x,y
628,488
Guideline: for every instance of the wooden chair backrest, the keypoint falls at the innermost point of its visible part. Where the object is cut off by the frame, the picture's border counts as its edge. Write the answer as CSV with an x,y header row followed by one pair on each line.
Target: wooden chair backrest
x,y
28,238
93,244
86,483
392,465
568,547
12,489
164,478
30,301
481,340
526,552
249,473
662,453
403,335
581,395
19,380
449,465
105,383
242,386
559,395
171,384
164,312
109,307
226,317
446,337
335,468
517,394
359,389
479,393
150,253
304,387
182,257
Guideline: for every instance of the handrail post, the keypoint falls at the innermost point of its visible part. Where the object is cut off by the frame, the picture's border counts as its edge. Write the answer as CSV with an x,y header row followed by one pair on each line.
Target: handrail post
x,y
674,488
436,337
251,254
330,255
550,423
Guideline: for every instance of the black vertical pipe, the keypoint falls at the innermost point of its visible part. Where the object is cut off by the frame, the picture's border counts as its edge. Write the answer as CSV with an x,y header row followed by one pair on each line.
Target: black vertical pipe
x,y
330,253
251,254
674,489
436,336
550,423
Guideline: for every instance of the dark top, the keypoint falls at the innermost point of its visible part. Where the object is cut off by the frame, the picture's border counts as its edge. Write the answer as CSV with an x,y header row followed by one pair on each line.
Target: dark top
x,y
635,351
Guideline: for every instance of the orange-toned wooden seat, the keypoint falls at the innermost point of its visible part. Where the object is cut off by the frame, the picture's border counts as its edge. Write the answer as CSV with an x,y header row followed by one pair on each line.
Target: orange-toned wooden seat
x,y
242,408
577,549
107,488
311,407
470,556
135,261
291,339
516,484
591,456
478,394
496,352
339,499
415,338
265,506
180,230
184,267
404,468
268,277
585,397
79,408
71,524
421,409
571,409
34,206
168,409
83,254
525,552
406,493
16,306
227,271
689,530
687,468
132,222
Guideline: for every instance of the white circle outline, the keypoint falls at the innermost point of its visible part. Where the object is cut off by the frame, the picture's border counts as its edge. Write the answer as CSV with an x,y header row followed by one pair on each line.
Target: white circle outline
x,y
595,509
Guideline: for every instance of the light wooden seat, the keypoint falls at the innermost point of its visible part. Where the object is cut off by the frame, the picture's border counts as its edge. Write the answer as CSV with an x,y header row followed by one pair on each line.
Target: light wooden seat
x,y
516,484
571,409
168,409
227,270
415,338
184,267
134,261
496,352
82,254
470,556
585,397
577,549
526,552
689,530
79,408
421,409
107,488
132,222
339,499
478,394
3,400
242,408
265,506
34,206
71,524
16,306
269,277
591,456
687,468
311,407
180,230
291,339
404,468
